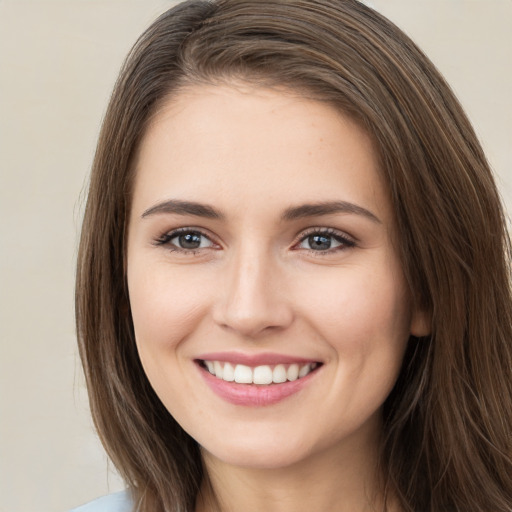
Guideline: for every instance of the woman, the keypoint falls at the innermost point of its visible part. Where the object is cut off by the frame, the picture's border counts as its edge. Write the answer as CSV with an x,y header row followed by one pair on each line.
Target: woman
x,y
293,285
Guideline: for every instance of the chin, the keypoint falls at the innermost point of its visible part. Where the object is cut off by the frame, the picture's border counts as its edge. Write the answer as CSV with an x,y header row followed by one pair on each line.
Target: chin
x,y
262,453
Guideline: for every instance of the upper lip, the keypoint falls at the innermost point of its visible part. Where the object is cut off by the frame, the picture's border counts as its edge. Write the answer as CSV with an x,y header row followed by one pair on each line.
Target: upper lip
x,y
263,358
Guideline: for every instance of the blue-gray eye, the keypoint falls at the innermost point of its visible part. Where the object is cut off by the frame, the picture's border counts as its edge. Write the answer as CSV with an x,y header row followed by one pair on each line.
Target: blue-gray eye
x,y
319,242
322,242
190,240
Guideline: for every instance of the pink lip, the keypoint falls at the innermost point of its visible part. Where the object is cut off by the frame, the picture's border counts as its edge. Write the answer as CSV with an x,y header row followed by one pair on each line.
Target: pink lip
x,y
253,360
254,395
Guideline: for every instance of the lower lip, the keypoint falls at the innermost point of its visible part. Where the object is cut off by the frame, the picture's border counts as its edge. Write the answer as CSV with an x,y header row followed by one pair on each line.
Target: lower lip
x,y
254,395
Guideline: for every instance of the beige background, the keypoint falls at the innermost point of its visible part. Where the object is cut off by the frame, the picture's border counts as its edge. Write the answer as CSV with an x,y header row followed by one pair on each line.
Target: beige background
x,y
58,62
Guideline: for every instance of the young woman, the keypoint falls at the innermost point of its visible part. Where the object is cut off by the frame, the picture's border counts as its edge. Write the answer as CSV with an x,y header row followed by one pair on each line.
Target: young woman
x,y
293,287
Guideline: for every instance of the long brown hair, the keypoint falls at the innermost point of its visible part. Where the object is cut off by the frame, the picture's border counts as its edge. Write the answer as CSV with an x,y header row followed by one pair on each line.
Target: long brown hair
x,y
447,424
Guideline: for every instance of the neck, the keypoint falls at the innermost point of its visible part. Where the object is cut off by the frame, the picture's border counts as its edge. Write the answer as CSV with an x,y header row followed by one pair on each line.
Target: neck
x,y
344,479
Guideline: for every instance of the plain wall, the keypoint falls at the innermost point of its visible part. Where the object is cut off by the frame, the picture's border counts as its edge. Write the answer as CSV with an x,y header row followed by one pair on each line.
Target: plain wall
x,y
58,63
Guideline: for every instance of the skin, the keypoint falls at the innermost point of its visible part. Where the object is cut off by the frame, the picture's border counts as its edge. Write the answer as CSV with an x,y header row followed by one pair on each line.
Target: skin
x,y
256,285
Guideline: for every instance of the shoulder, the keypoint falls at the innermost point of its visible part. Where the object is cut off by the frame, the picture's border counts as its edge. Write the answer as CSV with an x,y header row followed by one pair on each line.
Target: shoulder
x,y
118,502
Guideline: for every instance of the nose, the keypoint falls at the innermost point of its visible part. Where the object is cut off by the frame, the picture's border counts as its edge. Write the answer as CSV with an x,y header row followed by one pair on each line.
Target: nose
x,y
253,296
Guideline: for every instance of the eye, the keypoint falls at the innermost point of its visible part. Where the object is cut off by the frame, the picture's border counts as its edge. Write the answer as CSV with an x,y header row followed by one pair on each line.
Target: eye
x,y
185,240
325,240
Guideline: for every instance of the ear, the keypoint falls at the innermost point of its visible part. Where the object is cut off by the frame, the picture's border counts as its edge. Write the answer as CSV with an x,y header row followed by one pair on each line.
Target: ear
x,y
420,323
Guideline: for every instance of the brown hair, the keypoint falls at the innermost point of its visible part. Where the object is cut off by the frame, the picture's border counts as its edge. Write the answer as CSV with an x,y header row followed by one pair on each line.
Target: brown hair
x,y
447,441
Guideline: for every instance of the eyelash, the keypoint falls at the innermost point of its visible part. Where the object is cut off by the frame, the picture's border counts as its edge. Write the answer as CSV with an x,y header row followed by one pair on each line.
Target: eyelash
x,y
345,241
165,240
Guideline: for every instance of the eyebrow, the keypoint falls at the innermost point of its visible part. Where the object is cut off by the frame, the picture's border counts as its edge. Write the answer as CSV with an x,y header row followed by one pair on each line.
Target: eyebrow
x,y
184,208
180,207
327,208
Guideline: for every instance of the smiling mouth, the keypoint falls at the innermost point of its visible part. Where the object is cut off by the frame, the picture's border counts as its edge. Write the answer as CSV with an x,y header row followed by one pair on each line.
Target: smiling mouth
x,y
262,375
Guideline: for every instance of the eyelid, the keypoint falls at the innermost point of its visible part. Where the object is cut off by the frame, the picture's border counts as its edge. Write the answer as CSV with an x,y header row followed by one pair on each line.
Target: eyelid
x,y
346,240
164,239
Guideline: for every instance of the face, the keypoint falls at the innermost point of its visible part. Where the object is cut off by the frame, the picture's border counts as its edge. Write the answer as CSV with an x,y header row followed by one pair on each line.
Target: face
x,y
270,310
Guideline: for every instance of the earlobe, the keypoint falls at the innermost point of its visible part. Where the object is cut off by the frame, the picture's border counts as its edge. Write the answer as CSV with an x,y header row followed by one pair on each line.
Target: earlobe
x,y
420,324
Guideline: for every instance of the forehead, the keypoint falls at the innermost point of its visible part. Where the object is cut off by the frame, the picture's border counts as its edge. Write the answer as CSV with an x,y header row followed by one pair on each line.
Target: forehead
x,y
227,142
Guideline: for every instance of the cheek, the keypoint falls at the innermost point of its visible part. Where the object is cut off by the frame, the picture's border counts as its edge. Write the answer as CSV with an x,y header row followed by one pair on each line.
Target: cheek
x,y
357,307
165,308
364,317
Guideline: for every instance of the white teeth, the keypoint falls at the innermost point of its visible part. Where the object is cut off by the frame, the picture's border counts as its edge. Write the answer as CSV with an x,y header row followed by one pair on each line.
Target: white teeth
x,y
304,370
243,374
217,366
262,375
279,374
293,372
229,373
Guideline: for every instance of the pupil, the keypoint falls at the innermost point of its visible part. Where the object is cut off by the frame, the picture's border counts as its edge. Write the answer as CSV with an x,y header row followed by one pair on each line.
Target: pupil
x,y
190,241
319,242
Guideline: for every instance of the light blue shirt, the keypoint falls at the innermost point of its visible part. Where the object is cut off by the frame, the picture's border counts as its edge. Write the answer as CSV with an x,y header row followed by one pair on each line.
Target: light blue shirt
x,y
118,502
